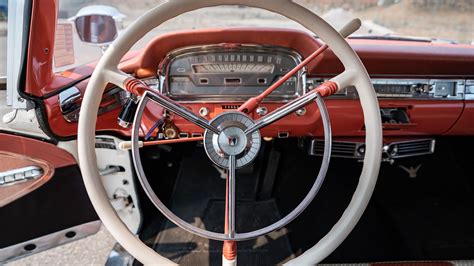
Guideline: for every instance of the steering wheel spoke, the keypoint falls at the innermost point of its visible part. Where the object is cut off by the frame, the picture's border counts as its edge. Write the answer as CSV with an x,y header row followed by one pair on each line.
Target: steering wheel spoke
x,y
230,198
325,89
135,86
139,88
178,109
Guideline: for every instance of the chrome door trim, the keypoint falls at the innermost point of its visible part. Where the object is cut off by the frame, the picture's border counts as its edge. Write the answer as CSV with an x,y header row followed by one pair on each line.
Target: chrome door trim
x,y
48,241
15,176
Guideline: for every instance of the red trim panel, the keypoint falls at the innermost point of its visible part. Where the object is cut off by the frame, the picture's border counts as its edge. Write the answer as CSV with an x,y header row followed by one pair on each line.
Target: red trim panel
x,y
426,117
380,57
36,149
405,59
465,124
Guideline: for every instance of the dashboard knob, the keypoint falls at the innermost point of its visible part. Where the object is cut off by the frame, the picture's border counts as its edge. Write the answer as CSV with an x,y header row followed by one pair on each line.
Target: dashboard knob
x,y
170,130
203,111
301,112
261,111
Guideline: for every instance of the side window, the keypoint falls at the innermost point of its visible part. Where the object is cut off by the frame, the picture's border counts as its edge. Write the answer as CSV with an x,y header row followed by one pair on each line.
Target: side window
x,y
3,40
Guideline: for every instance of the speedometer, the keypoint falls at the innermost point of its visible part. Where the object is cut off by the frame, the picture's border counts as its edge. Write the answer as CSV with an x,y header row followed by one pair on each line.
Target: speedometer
x,y
220,73
233,68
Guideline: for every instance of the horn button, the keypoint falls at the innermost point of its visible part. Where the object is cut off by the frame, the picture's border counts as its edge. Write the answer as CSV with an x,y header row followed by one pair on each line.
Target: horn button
x,y
232,140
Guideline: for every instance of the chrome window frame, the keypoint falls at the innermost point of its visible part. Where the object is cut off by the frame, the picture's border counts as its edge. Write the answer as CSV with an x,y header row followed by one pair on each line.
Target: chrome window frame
x,y
17,35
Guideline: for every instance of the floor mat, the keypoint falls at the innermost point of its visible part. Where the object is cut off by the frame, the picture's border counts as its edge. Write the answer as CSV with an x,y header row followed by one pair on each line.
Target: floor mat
x,y
199,199
427,217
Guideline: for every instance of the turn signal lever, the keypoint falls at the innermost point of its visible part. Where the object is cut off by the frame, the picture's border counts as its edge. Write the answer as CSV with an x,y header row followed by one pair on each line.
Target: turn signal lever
x,y
127,114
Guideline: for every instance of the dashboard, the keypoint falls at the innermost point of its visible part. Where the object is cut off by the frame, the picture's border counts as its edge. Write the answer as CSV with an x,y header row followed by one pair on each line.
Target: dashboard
x,y
424,89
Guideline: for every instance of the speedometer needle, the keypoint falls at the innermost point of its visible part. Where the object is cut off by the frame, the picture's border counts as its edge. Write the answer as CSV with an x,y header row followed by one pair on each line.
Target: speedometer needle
x,y
251,104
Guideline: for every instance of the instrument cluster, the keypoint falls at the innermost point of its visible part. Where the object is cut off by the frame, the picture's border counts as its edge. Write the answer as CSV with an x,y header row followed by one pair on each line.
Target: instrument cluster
x,y
217,73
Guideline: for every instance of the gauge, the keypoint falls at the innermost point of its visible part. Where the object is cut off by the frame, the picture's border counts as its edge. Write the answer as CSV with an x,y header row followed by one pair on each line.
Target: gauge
x,y
181,85
215,68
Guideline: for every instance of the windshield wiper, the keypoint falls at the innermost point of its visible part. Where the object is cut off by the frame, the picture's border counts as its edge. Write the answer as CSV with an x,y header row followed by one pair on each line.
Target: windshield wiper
x,y
401,38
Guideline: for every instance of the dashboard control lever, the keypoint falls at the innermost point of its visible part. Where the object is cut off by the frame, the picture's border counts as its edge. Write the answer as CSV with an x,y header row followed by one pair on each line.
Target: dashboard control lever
x,y
110,169
158,125
125,117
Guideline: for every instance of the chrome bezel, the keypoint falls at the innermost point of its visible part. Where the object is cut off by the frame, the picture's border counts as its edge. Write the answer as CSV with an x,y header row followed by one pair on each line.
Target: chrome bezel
x,y
468,96
215,152
351,93
194,50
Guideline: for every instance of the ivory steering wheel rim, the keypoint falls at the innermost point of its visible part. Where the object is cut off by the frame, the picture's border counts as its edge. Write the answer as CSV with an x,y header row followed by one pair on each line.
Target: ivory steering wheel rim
x,y
106,71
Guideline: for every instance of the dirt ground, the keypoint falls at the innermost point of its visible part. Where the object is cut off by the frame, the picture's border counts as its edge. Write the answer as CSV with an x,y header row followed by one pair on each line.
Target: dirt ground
x,y
445,19
403,18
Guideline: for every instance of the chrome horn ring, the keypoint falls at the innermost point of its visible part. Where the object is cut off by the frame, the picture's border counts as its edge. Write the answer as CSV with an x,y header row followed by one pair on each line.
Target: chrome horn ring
x,y
232,140
232,163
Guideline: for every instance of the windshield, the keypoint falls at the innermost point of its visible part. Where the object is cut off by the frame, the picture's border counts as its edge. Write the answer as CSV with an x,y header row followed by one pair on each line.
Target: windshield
x,y
422,20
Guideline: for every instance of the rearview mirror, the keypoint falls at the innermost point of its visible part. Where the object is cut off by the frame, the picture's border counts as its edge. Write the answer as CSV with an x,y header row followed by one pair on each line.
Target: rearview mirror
x,y
97,24
96,29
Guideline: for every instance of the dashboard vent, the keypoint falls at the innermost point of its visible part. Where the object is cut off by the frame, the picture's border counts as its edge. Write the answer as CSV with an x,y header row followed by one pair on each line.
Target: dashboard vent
x,y
356,150
341,149
411,148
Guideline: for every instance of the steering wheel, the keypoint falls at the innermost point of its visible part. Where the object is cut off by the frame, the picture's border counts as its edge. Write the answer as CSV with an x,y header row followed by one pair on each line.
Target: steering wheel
x,y
232,138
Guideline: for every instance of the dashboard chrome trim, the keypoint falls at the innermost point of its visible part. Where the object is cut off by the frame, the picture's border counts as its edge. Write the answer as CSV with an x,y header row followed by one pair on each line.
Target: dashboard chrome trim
x,y
163,71
469,90
419,89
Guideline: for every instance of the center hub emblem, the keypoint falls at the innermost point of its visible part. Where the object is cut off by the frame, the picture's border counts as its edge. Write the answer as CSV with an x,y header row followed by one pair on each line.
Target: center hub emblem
x,y
232,140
